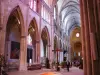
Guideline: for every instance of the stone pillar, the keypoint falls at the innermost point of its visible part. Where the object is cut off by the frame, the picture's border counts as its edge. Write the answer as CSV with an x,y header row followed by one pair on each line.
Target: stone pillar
x,y
38,51
49,51
94,30
83,39
98,27
49,54
2,41
0,14
87,38
91,17
2,32
23,53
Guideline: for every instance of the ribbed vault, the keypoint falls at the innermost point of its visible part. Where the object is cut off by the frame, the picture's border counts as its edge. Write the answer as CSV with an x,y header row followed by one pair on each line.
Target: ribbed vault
x,y
69,14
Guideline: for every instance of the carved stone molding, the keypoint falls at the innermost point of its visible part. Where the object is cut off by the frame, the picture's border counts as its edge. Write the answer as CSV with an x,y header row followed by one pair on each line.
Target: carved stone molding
x,y
23,36
0,27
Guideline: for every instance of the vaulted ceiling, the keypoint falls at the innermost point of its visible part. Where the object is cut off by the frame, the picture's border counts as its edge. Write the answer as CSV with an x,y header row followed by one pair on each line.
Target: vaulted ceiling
x,y
69,14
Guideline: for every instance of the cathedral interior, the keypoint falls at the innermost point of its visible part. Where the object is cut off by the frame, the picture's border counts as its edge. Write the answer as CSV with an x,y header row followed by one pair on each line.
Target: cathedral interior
x,y
39,37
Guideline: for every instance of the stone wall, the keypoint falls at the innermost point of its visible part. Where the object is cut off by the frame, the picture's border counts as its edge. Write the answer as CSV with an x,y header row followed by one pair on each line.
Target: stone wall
x,y
27,14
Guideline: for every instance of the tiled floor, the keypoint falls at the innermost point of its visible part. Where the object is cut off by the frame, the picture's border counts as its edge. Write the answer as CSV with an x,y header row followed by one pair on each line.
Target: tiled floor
x,y
73,71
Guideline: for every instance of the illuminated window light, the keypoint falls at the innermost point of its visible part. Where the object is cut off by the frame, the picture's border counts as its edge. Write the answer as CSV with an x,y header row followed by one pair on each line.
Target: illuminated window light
x,y
54,13
77,34
29,40
18,21
33,29
35,3
31,4
30,60
79,54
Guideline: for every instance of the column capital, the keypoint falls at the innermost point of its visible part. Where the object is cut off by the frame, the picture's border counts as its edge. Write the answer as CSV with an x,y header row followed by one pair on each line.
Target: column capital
x,y
23,36
37,41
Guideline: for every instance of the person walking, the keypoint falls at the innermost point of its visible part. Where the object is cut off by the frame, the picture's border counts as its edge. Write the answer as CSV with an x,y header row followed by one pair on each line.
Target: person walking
x,y
68,65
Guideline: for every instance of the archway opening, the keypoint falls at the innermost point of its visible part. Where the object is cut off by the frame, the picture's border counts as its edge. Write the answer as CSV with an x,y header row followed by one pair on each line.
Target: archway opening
x,y
76,47
31,43
46,42
14,31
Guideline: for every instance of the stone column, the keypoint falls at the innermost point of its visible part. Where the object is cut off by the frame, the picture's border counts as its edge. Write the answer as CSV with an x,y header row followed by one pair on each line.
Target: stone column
x,y
83,39
87,38
93,26
2,32
49,54
98,27
23,53
2,41
38,51
49,51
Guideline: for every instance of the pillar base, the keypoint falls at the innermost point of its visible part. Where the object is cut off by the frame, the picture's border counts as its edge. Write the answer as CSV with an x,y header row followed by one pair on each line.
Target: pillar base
x,y
23,68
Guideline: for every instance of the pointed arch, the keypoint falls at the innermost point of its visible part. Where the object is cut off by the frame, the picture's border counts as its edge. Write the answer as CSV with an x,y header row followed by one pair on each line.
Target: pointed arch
x,y
18,14
15,33
46,41
45,30
34,25
33,33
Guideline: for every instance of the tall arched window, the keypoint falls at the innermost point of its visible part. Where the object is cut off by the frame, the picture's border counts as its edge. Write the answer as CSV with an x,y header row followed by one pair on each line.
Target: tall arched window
x,y
55,13
42,11
33,4
48,2
29,40
45,14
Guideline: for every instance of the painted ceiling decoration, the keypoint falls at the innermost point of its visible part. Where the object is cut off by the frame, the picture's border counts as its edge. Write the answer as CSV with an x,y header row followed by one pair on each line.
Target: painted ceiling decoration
x,y
69,13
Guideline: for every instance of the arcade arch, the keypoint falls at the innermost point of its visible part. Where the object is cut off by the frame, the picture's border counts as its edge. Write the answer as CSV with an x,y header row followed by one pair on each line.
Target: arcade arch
x,y
46,42
15,42
32,40
75,43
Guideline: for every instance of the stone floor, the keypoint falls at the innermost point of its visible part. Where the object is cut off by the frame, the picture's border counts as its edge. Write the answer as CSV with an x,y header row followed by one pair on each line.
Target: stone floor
x,y
73,71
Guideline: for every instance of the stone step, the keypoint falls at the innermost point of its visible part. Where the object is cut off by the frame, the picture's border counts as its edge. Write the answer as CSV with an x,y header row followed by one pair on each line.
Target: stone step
x,y
35,67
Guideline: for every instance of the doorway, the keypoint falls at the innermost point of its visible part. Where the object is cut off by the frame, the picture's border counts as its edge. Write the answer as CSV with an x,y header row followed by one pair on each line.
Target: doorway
x,y
29,55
